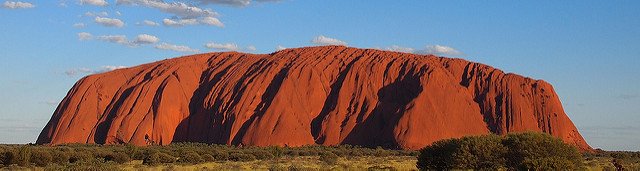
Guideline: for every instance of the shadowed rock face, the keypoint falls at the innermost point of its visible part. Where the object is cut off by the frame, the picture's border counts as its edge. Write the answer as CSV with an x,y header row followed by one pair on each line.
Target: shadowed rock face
x,y
318,95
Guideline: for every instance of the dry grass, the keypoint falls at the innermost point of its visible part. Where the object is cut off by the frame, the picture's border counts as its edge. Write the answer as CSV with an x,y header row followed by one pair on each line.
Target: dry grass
x,y
292,163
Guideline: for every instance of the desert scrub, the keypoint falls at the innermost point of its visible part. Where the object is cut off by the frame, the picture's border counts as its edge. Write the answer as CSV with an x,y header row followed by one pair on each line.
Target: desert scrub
x,y
520,151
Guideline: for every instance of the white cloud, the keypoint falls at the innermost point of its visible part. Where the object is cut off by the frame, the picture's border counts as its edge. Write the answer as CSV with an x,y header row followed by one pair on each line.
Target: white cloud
x,y
109,22
322,40
141,39
177,8
179,23
397,48
192,21
94,2
184,14
51,102
269,0
119,39
227,2
118,13
223,47
87,71
236,3
111,68
146,39
148,23
17,5
280,47
251,48
63,3
178,48
85,36
211,21
96,14
79,25
439,50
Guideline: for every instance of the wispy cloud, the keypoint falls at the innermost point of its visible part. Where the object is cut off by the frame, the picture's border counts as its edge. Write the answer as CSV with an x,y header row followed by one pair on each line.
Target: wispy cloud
x,y
211,21
146,39
235,3
177,48
429,49
87,71
280,47
439,50
141,39
96,14
179,22
62,3
179,9
119,39
51,102
148,23
94,2
109,22
251,48
17,5
322,40
222,46
20,128
79,25
397,48
85,36
192,21
229,47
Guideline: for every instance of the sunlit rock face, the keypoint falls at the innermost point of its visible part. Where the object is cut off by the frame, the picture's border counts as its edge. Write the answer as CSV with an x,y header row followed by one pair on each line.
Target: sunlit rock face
x,y
325,95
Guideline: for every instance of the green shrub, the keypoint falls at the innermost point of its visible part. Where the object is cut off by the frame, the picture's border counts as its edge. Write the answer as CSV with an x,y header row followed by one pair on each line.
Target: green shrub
x,y
356,153
242,157
381,152
522,151
479,152
134,152
117,157
80,156
7,157
158,158
41,158
277,167
60,157
263,155
208,158
373,168
620,155
23,156
277,151
329,158
536,151
292,153
190,157
220,155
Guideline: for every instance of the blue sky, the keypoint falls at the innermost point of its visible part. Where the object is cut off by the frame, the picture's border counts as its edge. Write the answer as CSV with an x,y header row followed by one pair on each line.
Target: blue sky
x,y
589,50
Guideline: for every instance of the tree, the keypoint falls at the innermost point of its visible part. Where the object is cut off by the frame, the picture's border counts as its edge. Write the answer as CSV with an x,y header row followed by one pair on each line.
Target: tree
x,y
479,152
520,151
540,151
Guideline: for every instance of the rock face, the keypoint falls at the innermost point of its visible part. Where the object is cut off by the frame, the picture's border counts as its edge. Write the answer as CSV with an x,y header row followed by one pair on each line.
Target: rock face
x,y
317,95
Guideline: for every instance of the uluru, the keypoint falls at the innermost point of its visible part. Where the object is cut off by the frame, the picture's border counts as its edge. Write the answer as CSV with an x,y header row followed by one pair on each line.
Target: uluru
x,y
326,95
